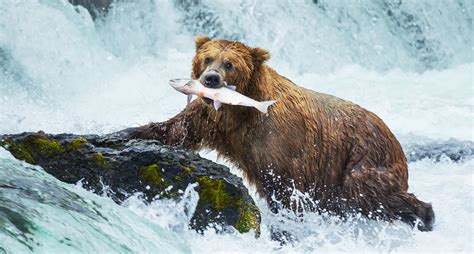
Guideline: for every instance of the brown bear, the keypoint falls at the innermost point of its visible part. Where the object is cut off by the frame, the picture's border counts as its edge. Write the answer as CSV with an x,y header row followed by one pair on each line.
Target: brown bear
x,y
341,155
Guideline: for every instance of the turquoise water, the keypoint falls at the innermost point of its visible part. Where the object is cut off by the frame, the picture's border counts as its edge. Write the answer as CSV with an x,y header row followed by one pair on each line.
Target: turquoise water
x,y
41,214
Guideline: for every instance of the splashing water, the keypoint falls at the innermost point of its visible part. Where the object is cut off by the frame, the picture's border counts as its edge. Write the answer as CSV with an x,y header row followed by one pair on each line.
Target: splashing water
x,y
410,62
40,213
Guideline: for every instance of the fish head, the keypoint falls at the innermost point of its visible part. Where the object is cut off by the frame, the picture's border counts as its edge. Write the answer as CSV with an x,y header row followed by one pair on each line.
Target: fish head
x,y
180,82
183,85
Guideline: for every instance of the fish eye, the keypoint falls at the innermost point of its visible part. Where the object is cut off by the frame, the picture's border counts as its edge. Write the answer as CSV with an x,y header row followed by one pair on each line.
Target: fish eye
x,y
228,66
207,60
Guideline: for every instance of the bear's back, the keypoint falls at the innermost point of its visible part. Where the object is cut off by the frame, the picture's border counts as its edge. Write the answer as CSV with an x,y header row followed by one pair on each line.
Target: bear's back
x,y
351,128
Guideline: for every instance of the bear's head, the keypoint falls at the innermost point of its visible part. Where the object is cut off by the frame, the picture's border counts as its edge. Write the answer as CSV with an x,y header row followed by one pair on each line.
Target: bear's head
x,y
222,62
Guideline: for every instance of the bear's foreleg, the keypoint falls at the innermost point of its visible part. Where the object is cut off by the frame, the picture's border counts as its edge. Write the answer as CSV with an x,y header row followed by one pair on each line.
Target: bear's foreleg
x,y
186,128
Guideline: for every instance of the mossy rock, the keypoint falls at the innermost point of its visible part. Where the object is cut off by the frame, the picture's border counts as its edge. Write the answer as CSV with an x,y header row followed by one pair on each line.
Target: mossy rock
x,y
76,144
100,161
129,166
213,192
216,194
37,145
151,175
249,219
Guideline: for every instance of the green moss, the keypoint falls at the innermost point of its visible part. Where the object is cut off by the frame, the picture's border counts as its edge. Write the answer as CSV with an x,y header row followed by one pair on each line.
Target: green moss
x,y
100,160
19,151
187,170
151,175
47,147
76,143
33,146
248,219
213,192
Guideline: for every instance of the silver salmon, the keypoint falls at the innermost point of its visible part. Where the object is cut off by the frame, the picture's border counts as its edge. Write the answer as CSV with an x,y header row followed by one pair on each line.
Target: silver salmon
x,y
225,94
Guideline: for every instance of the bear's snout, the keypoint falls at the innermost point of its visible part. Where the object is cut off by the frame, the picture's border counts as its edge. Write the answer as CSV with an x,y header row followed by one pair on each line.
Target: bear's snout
x,y
212,79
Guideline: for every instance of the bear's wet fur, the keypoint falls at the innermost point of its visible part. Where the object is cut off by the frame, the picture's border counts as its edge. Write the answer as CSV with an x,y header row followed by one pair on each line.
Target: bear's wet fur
x,y
342,155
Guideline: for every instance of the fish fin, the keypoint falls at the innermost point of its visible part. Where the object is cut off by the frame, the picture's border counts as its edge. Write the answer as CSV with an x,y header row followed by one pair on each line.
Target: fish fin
x,y
217,104
263,106
190,97
232,87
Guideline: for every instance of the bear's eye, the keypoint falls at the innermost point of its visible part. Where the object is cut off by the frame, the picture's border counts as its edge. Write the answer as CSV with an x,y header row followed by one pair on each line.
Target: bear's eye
x,y
228,66
207,60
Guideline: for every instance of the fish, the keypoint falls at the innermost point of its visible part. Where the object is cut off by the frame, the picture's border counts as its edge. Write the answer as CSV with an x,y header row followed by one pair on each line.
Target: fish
x,y
226,94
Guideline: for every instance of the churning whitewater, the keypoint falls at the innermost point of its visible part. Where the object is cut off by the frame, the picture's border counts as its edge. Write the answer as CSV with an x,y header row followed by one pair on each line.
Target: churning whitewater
x,y
410,62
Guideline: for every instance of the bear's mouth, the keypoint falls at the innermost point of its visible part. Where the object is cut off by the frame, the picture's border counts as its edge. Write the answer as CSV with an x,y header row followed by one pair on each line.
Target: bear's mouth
x,y
207,100
220,85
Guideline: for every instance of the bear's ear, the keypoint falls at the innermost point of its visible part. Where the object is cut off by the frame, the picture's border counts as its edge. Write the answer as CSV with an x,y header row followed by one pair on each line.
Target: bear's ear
x,y
260,55
200,40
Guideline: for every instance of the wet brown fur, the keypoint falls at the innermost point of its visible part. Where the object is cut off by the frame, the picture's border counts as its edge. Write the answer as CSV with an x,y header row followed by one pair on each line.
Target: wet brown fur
x,y
344,156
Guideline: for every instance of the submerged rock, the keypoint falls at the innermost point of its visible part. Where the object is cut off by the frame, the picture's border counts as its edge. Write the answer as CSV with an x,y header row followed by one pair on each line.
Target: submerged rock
x,y
147,166
455,150
94,7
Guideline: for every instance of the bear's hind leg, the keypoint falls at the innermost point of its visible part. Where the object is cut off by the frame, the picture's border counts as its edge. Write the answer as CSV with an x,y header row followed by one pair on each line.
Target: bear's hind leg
x,y
412,210
376,194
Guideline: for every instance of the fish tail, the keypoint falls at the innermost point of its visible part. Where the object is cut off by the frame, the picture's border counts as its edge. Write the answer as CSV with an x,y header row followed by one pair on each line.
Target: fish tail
x,y
263,106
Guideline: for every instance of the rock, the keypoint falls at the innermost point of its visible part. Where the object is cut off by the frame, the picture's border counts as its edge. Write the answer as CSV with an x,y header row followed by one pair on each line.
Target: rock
x,y
455,150
94,7
147,166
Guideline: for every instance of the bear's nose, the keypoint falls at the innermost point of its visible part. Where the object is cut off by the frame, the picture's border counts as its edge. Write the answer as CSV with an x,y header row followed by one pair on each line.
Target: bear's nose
x,y
212,79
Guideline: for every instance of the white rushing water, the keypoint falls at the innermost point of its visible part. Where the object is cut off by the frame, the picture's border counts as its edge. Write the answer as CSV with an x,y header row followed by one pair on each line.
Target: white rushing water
x,y
410,62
